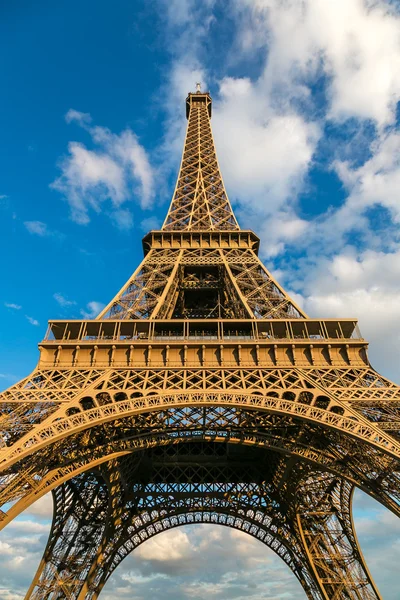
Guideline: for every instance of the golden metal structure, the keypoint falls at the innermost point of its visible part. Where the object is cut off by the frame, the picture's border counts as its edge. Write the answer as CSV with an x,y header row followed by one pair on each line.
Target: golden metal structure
x,y
201,394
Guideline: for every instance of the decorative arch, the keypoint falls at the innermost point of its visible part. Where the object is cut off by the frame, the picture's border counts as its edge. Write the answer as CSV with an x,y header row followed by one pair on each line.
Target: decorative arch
x,y
88,441
132,511
64,444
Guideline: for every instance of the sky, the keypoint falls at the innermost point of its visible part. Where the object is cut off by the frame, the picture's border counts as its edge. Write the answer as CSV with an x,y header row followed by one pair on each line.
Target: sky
x,y
306,124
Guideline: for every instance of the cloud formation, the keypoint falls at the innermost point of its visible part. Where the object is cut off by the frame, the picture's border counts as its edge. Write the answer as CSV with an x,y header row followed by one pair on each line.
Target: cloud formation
x,y
63,301
203,561
32,321
92,309
42,230
354,44
12,305
118,169
37,228
278,146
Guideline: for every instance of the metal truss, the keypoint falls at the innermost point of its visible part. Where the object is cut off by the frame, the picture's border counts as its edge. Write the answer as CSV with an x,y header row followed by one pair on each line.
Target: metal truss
x,y
211,484
201,394
234,284
326,528
79,522
200,201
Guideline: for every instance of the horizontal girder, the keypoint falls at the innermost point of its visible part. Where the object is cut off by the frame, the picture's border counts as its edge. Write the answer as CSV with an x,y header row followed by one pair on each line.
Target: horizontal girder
x,y
328,448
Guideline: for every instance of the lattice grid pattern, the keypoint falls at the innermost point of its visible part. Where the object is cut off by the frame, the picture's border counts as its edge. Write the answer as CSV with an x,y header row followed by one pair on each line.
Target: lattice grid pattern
x,y
272,442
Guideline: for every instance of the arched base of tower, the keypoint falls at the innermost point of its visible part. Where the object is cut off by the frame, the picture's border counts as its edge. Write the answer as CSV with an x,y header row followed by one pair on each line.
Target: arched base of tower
x,y
302,515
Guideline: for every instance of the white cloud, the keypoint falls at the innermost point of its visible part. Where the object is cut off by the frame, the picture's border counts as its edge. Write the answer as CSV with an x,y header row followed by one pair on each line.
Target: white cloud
x,y
79,117
92,309
189,23
63,301
5,548
354,43
115,171
275,229
174,564
37,228
87,179
365,286
32,321
27,526
264,155
376,182
9,595
123,219
22,544
41,508
133,157
267,129
181,12
150,223
164,548
42,230
12,305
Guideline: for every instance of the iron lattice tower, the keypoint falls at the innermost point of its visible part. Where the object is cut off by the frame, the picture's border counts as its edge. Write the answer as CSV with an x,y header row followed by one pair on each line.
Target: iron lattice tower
x,y
201,394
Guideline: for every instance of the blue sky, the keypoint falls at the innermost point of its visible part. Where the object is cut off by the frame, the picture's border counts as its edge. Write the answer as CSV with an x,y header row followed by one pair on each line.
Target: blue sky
x,y
305,120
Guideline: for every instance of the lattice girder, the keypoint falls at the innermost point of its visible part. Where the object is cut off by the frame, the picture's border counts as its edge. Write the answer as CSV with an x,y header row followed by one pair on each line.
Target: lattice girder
x,y
323,510
207,484
81,507
201,346
200,201
84,447
256,294
140,510
285,391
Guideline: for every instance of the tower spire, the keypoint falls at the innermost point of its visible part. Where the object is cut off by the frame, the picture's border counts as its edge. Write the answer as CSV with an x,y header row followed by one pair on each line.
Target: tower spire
x,y
200,201
201,264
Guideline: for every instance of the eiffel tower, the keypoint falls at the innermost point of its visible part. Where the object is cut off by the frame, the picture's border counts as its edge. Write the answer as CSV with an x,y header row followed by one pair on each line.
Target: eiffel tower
x,y
201,394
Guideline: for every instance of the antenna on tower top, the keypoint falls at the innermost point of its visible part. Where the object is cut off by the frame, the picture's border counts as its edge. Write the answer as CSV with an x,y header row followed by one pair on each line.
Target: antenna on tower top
x,y
198,87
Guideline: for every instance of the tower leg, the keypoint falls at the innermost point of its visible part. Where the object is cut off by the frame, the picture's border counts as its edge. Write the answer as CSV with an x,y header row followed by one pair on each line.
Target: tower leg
x,y
80,514
326,528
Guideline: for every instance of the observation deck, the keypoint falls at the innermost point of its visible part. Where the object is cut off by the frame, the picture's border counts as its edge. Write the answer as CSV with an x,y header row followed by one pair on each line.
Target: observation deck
x,y
204,343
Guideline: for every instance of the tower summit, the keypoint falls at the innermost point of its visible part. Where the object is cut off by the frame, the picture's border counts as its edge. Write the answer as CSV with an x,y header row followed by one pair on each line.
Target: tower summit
x,y
201,394
200,201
